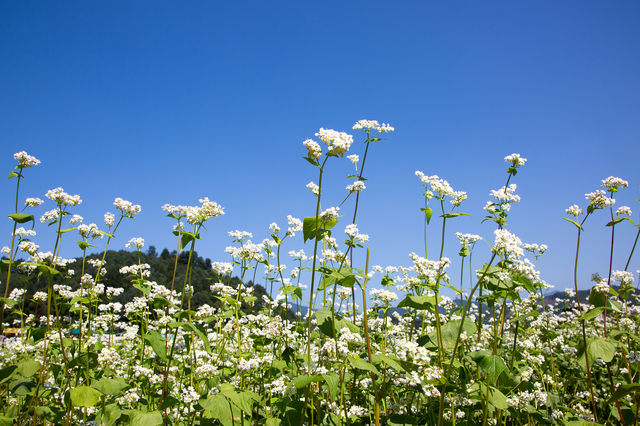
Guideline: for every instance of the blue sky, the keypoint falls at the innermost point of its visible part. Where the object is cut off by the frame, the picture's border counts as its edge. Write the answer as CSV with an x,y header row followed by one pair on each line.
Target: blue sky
x,y
162,102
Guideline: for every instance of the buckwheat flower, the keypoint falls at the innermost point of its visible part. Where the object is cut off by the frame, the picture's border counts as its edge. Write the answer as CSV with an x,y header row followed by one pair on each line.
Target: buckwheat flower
x,y
295,225
356,186
136,242
76,218
127,207
315,189
506,195
515,159
210,209
612,183
574,210
338,142
29,247
314,150
17,294
298,254
25,233
385,296
33,202
601,287
109,219
329,214
598,199
354,158
623,210
458,198
505,240
274,228
239,235
5,250
467,239
89,231
50,216
624,277
25,160
62,198
40,296
366,124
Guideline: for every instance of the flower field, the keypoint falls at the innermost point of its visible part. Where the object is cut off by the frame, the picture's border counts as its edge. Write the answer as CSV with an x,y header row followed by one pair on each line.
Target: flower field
x,y
324,347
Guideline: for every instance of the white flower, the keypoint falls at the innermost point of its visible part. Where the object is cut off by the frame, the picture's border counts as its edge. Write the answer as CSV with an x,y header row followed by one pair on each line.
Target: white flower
x,y
62,198
109,219
574,210
505,240
33,202
467,239
354,158
76,218
612,183
338,142
89,231
295,225
598,199
506,195
136,242
623,210
274,228
24,233
314,150
315,189
329,214
373,125
25,160
356,186
127,207
515,159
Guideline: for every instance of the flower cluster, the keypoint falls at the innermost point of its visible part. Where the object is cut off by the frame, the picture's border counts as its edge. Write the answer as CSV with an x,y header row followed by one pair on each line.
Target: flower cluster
x,y
25,160
372,125
127,207
62,198
338,142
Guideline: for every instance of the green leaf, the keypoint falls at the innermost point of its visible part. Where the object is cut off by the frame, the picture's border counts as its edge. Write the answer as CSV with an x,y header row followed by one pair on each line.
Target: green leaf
x,y
157,343
84,245
45,269
420,303
22,217
304,380
243,400
624,390
65,230
4,420
428,212
325,324
186,238
361,364
601,348
220,408
456,214
29,367
84,396
574,222
311,231
111,414
450,331
110,386
333,381
616,221
391,362
9,302
142,418
7,372
593,313
12,175
492,366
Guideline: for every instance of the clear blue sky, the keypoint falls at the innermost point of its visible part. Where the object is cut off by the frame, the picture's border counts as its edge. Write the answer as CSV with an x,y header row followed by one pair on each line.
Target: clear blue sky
x,y
162,102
